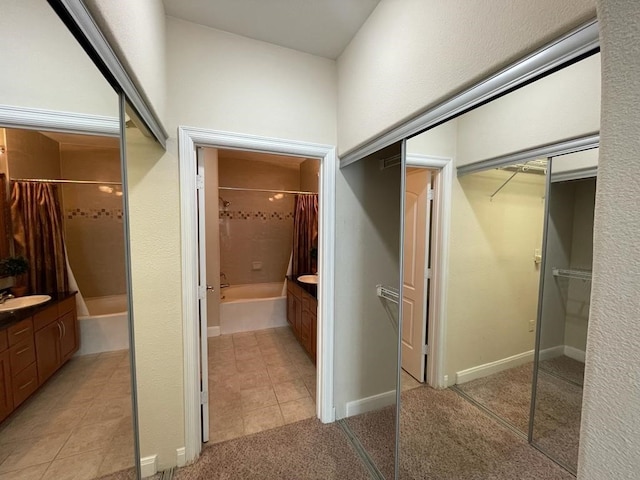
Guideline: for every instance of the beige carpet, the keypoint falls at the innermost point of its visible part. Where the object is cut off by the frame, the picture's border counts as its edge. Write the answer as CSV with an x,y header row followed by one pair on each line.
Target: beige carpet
x,y
444,437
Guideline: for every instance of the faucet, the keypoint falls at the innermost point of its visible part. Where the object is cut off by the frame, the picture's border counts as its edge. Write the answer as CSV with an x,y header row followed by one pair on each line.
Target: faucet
x,y
4,296
224,283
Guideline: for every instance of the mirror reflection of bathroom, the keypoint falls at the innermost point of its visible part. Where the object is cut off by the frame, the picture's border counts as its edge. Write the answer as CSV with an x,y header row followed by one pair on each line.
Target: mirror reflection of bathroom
x,y
565,307
69,368
366,390
262,252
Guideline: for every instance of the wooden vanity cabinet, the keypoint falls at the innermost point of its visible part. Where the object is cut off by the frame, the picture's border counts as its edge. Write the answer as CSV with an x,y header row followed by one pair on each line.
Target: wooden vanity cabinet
x,y
6,384
302,316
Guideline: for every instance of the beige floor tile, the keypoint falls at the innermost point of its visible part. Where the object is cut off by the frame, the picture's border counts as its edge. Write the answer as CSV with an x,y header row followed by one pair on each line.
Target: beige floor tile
x,y
270,348
219,423
290,390
282,373
255,365
89,438
224,435
306,369
31,473
77,467
32,452
114,462
256,398
251,353
223,342
297,410
105,409
245,339
276,359
262,419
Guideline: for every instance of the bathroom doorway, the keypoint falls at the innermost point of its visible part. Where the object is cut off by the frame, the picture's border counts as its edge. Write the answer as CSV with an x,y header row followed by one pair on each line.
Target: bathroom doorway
x,y
261,236
198,145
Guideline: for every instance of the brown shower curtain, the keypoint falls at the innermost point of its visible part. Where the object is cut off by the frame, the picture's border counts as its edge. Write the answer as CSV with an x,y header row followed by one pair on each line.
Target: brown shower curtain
x,y
305,233
38,235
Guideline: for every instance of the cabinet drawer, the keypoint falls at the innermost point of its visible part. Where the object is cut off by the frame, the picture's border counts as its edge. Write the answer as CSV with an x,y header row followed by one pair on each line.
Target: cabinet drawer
x,y
20,331
24,384
22,355
4,342
44,318
66,306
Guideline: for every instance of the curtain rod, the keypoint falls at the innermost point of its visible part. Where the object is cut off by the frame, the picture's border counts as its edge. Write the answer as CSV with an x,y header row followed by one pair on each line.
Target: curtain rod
x,y
46,180
293,192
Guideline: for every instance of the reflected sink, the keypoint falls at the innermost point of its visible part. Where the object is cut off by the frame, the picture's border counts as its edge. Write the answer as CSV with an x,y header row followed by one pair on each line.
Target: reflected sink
x,y
313,279
23,302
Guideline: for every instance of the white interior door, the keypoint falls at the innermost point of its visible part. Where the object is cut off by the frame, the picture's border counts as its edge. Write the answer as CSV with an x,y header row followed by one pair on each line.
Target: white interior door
x,y
415,283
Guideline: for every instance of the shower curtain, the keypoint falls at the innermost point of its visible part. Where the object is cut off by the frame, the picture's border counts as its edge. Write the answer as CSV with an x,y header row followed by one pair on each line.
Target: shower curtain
x,y
305,233
36,217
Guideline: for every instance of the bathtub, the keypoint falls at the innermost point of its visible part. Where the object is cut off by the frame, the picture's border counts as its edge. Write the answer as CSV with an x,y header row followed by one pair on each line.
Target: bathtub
x,y
106,328
253,307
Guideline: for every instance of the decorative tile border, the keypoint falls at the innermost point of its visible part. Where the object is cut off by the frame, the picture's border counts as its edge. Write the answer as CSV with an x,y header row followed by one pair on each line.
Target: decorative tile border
x,y
258,215
93,213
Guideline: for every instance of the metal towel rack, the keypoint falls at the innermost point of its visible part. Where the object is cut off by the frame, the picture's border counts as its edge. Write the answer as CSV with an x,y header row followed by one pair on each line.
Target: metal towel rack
x,y
388,293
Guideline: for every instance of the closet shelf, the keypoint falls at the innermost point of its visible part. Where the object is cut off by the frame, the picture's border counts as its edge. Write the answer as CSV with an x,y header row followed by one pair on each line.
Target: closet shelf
x,y
387,293
569,273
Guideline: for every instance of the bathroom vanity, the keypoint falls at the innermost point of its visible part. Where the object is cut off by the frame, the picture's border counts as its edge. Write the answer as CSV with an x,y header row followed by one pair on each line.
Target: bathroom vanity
x,y
34,343
302,307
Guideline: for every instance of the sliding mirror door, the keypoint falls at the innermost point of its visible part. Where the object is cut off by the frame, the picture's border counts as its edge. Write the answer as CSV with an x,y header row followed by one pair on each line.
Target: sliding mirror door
x,y
564,308
367,336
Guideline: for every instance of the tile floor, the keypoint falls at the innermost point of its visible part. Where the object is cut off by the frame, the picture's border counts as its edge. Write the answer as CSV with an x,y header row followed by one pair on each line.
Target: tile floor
x,y
77,426
257,381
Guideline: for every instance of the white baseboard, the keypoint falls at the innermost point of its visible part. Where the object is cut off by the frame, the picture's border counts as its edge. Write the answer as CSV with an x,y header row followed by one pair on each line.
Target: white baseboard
x,y
181,457
552,352
574,353
480,371
367,404
213,331
148,466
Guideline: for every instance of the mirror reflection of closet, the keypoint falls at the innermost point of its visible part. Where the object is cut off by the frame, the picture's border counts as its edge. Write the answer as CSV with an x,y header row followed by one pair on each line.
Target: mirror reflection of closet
x,y
369,340
564,317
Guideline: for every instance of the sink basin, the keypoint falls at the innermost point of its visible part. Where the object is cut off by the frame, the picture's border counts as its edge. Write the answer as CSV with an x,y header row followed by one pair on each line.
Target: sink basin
x,y
313,279
23,302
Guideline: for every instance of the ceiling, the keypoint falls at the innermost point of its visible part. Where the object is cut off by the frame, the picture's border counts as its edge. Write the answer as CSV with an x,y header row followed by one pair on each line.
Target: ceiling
x,y
69,140
318,27
280,160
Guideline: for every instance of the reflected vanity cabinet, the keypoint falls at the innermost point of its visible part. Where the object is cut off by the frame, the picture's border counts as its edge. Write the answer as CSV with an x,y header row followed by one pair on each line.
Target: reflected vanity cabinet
x,y
32,349
302,316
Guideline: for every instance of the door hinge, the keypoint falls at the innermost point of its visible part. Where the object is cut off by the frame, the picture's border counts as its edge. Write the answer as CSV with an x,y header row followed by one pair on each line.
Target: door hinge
x,y
202,292
428,275
204,398
425,349
199,182
430,194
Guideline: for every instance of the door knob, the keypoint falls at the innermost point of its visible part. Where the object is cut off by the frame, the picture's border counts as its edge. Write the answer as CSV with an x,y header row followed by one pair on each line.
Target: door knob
x,y
210,288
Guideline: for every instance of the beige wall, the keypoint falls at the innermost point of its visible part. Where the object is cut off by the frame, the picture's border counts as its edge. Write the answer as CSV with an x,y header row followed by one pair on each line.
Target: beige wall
x,y
309,175
93,226
410,55
45,67
610,432
563,105
257,226
32,155
493,279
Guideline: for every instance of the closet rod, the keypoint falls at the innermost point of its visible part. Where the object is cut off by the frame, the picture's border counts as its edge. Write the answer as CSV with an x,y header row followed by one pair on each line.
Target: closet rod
x,y
263,190
82,182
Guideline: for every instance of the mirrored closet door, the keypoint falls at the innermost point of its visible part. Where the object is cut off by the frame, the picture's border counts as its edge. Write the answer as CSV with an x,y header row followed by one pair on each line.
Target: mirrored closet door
x,y
564,308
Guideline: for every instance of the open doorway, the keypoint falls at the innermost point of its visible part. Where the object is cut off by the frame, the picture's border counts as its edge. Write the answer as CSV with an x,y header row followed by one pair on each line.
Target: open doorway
x,y
260,233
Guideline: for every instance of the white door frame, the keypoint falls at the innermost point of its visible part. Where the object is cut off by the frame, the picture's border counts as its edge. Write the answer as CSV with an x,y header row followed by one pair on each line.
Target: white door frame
x,y
441,226
188,139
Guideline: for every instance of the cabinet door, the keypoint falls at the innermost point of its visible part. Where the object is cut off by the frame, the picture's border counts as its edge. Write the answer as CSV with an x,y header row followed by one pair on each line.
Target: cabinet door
x,y
68,342
314,336
298,317
291,309
48,350
305,330
6,398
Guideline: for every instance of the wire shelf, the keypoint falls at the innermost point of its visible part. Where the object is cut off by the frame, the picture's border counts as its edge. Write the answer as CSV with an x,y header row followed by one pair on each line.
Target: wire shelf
x,y
570,273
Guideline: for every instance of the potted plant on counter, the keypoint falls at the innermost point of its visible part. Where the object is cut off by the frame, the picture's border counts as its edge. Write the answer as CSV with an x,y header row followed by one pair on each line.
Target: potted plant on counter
x,y
16,267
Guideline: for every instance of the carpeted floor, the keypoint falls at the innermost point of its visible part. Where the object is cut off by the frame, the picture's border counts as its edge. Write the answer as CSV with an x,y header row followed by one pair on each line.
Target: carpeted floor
x,y
444,437
558,406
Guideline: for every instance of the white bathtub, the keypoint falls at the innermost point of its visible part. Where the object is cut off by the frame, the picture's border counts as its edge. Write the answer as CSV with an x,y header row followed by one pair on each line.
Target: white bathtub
x,y
106,327
253,307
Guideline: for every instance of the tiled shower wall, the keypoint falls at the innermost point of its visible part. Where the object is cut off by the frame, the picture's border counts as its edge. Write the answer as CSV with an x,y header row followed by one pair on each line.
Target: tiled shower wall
x,y
93,220
256,232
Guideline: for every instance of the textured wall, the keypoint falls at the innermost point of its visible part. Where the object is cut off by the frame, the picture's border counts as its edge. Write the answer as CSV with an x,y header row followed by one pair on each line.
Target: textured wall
x,y
610,435
411,54
93,220
257,226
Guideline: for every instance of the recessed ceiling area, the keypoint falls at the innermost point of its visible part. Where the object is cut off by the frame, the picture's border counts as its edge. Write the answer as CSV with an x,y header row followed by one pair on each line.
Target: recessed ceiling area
x,y
69,140
318,27
280,160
